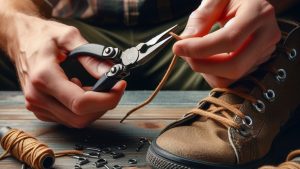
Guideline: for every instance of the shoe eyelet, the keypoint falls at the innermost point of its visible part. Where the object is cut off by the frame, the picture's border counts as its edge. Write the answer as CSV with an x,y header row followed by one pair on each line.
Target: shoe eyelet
x,y
292,54
244,130
247,121
259,106
270,95
281,75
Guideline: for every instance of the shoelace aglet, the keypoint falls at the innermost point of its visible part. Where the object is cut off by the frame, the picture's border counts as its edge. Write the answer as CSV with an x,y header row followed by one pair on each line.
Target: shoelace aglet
x,y
124,118
175,36
159,86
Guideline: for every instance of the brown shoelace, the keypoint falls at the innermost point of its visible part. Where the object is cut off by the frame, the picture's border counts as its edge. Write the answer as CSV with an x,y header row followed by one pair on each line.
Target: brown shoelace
x,y
28,149
225,109
221,106
159,86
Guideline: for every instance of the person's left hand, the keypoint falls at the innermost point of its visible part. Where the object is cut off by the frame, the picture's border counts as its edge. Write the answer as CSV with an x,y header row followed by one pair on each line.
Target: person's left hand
x,y
248,38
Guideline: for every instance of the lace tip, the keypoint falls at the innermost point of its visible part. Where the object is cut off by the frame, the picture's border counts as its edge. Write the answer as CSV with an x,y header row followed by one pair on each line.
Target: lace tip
x,y
124,118
175,36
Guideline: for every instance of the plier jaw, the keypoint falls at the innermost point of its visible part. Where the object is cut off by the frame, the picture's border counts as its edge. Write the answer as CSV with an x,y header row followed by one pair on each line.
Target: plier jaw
x,y
124,61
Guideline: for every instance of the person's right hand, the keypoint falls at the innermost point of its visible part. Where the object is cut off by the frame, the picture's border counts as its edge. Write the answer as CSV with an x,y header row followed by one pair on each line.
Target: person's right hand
x,y
247,38
38,48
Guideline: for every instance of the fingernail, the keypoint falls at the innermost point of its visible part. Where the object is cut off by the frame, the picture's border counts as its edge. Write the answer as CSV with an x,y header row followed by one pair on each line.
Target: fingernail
x,y
189,31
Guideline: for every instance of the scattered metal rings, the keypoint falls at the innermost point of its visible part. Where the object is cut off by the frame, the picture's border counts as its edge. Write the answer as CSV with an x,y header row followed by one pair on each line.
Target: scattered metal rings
x,y
132,161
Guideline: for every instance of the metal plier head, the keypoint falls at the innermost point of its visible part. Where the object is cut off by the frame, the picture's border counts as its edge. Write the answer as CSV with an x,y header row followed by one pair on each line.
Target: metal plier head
x,y
124,60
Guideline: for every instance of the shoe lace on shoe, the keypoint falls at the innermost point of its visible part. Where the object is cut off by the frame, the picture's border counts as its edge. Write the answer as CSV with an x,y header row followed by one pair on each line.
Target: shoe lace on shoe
x,y
290,162
225,113
226,119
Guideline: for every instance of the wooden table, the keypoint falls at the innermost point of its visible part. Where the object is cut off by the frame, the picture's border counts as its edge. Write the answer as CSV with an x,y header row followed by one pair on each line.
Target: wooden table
x,y
147,122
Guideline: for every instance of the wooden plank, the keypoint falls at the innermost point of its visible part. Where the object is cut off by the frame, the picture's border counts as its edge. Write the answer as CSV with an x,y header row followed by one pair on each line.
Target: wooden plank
x,y
130,97
103,132
167,105
147,122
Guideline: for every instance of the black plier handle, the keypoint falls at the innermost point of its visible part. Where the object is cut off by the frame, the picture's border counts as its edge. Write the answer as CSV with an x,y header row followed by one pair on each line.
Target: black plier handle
x,y
115,74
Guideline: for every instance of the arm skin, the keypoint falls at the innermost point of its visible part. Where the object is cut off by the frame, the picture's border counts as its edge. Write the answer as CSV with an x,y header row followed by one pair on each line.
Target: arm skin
x,y
37,46
246,40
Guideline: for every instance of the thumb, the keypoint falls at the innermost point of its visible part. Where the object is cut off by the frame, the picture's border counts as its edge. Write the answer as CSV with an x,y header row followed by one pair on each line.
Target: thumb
x,y
203,18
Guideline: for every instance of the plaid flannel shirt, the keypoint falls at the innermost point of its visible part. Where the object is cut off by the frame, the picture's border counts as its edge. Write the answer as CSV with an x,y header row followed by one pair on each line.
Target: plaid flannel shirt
x,y
128,12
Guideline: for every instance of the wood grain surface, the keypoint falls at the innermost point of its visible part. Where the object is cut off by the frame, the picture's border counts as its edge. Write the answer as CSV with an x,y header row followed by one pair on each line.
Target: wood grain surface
x,y
107,131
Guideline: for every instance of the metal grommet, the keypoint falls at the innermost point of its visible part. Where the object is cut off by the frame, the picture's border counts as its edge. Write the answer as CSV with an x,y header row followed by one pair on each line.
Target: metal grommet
x,y
270,95
259,106
122,147
244,130
106,150
117,167
77,166
281,75
247,121
101,163
132,161
292,54
116,155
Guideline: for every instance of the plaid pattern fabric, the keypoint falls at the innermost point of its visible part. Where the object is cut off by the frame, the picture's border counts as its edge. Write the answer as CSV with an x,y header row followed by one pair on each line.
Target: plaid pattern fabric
x,y
128,12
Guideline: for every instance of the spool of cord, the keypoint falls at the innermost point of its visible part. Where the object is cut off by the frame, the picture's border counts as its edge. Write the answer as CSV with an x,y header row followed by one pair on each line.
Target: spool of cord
x,y
26,148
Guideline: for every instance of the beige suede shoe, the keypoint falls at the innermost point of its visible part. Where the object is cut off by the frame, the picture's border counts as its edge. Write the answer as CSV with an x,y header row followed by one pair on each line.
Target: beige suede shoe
x,y
292,162
235,127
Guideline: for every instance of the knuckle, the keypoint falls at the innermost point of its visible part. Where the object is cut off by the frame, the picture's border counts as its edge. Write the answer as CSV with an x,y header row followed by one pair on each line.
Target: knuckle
x,y
233,39
30,99
71,31
268,9
29,106
200,15
37,79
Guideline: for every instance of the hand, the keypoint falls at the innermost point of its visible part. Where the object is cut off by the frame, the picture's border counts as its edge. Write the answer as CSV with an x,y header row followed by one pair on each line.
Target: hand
x,y
37,51
246,40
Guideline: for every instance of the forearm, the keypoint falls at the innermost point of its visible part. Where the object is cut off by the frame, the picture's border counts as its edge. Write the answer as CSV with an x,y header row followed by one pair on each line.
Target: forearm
x,y
10,12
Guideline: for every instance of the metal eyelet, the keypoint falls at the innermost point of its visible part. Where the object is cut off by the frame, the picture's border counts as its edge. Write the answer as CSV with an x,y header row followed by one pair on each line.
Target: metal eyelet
x,y
247,121
270,95
244,130
259,106
292,54
281,75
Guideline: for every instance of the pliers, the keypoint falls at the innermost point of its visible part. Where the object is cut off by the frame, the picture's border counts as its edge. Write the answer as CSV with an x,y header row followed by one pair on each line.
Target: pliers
x,y
124,60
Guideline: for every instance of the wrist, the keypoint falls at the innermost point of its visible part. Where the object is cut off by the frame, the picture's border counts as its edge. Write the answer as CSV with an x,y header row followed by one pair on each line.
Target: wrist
x,y
12,13
18,27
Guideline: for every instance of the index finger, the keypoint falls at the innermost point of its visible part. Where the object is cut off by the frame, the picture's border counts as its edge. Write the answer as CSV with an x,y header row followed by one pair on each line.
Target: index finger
x,y
227,39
